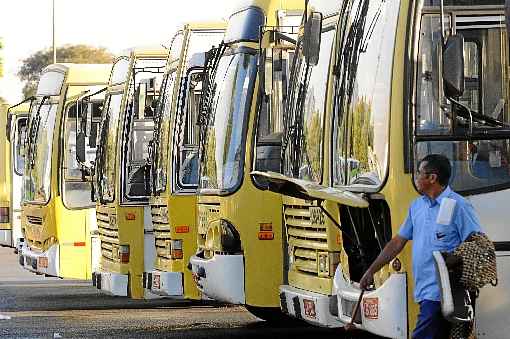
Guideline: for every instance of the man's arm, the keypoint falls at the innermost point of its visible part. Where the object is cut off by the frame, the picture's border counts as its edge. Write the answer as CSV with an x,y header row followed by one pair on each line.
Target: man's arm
x,y
390,251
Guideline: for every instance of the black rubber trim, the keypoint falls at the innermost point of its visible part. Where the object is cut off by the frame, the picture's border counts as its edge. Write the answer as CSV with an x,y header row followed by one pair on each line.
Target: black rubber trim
x,y
502,246
283,303
297,307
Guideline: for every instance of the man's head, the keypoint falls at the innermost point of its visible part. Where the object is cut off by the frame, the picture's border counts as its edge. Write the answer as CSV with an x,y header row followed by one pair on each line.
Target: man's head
x,y
433,174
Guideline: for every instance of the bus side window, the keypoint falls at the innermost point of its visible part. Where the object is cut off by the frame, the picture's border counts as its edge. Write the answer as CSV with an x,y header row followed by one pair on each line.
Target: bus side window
x,y
187,166
478,163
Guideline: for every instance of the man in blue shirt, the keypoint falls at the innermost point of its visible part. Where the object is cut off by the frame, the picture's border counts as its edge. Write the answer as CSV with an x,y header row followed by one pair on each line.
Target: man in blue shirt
x,y
439,220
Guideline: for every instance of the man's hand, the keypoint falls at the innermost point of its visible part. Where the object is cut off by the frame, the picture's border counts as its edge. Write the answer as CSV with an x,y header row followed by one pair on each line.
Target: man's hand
x,y
366,280
392,248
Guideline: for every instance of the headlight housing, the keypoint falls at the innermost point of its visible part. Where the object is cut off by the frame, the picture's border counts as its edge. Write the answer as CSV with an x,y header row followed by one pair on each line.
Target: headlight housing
x,y
222,237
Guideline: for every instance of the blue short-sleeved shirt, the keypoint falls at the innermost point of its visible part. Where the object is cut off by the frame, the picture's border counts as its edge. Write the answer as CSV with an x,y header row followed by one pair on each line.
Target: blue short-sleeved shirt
x,y
420,226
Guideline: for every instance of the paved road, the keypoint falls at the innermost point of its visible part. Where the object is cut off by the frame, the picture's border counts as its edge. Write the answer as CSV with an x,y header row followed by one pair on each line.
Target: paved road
x,y
33,306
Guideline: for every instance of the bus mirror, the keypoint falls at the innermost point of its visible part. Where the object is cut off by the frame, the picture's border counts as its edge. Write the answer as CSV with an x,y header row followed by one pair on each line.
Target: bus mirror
x,y
80,147
453,66
312,38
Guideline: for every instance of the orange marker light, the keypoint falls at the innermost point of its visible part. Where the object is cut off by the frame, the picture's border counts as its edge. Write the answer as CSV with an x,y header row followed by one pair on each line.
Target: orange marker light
x,y
266,235
182,229
79,243
176,254
130,216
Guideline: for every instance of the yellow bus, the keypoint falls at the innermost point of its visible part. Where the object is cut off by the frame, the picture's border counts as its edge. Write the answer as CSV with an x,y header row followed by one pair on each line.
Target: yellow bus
x,y
16,127
365,107
57,212
122,209
239,225
175,163
5,187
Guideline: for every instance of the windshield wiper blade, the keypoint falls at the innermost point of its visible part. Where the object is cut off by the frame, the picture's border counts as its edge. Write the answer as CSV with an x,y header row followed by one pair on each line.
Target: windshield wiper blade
x,y
205,107
32,135
472,116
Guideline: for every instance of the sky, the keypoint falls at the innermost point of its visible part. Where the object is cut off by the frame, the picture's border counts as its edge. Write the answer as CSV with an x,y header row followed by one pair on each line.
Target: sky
x,y
26,27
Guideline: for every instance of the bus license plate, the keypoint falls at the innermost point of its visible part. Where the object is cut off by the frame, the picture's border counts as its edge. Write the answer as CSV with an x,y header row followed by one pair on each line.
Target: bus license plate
x,y
309,306
156,282
42,262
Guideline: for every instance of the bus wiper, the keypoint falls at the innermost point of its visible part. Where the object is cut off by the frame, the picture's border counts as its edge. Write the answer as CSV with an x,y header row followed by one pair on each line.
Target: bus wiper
x,y
205,107
101,152
154,144
473,116
32,135
294,109
351,46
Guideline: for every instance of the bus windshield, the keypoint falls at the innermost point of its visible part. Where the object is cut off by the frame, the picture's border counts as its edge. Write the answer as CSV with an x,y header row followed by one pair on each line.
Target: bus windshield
x,y
37,178
365,49
223,146
303,141
474,132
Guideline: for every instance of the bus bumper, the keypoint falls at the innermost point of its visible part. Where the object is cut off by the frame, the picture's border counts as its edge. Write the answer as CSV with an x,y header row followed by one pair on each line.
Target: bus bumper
x,y
317,309
40,262
382,311
167,284
5,237
220,278
111,283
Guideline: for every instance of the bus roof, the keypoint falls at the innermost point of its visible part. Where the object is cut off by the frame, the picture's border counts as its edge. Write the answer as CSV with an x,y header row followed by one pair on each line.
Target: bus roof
x,y
82,73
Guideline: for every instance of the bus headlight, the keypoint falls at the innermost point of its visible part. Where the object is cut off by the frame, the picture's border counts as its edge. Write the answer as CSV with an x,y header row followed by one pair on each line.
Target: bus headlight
x,y
222,236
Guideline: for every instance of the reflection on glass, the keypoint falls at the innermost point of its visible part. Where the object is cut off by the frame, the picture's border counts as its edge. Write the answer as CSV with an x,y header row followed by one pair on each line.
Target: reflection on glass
x,y
162,134
307,105
363,91
187,134
430,118
199,42
475,165
37,178
76,192
138,127
223,154
109,125
19,142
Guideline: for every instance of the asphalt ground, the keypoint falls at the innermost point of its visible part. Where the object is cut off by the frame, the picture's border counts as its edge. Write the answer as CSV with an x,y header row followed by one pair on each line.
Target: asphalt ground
x,y
33,306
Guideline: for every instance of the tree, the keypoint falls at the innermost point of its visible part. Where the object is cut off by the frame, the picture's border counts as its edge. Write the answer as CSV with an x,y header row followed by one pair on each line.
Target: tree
x,y
32,66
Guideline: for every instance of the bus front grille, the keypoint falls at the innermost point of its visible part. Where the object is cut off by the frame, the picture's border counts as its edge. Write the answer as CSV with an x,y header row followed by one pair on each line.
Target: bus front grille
x,y
162,235
307,236
108,233
34,220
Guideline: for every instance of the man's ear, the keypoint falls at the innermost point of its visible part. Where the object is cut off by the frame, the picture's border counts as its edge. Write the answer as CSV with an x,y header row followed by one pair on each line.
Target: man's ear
x,y
433,178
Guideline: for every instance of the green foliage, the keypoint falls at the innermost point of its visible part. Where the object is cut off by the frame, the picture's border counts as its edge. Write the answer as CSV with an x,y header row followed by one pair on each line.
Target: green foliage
x,y
32,66
362,135
313,138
